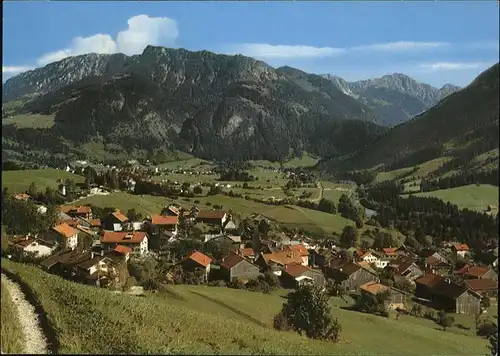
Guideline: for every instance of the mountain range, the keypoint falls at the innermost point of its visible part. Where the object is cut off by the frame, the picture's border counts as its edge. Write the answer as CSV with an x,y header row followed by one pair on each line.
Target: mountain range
x,y
394,98
210,105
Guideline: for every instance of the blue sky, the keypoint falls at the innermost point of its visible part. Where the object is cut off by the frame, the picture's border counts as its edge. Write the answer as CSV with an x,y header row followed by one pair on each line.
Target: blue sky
x,y
434,42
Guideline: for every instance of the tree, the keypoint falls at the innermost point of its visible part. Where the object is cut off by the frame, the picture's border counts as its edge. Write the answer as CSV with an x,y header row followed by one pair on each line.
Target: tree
x,y
374,304
494,342
327,206
134,215
445,320
349,237
32,190
197,190
307,311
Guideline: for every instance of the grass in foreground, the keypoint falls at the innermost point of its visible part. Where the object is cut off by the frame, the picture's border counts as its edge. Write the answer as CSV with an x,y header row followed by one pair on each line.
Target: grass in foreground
x,y
19,181
12,336
472,197
212,320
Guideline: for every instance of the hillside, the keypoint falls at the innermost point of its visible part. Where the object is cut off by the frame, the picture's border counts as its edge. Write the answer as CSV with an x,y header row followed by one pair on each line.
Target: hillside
x,y
393,98
91,320
212,106
463,125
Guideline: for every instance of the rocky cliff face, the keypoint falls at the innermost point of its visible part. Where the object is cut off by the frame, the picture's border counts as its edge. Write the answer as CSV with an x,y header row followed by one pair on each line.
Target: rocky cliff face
x,y
394,98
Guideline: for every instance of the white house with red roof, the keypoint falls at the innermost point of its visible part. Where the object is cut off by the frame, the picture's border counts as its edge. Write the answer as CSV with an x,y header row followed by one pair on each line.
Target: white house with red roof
x,y
137,241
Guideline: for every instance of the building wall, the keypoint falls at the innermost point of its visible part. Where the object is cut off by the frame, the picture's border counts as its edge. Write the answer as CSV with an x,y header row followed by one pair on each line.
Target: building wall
x,y
358,278
468,303
244,270
40,250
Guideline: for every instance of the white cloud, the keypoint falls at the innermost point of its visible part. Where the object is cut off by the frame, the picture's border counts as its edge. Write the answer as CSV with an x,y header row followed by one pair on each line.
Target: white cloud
x,y
400,46
15,69
432,67
268,51
142,31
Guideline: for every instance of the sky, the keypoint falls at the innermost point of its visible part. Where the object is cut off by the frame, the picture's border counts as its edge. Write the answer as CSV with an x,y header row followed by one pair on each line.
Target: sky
x,y
434,42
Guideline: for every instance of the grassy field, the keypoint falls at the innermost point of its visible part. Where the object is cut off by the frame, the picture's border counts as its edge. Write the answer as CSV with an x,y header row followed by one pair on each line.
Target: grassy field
x,y
11,335
145,205
471,196
19,181
305,161
211,320
35,121
423,170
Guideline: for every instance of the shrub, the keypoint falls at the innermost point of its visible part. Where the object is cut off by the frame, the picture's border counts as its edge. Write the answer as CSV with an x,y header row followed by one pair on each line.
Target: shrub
x,y
280,322
151,284
486,330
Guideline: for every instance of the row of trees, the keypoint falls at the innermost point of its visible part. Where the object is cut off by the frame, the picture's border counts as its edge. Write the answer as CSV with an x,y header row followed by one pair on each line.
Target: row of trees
x,y
460,179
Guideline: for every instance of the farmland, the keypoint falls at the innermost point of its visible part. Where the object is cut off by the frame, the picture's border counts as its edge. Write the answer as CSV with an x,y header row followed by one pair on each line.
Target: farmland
x,y
234,322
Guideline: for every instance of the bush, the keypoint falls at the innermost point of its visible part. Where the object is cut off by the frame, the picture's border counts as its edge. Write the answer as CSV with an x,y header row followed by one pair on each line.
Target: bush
x,y
486,330
236,283
280,322
429,314
219,283
151,284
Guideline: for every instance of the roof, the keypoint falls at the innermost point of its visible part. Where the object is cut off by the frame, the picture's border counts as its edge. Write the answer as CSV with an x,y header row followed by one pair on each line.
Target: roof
x,y
347,268
164,220
199,258
483,284
95,222
211,214
173,209
433,261
22,196
461,247
284,258
390,251
300,249
295,270
122,249
120,216
84,229
440,286
475,271
366,265
123,237
65,230
23,241
374,288
82,209
246,252
231,261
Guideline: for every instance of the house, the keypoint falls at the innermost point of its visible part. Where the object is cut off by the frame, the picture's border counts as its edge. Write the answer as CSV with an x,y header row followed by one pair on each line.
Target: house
x,y
483,286
436,265
235,266
28,244
247,253
280,259
391,253
123,251
64,235
22,196
295,274
349,275
407,269
397,298
212,217
137,241
196,260
77,211
95,224
460,249
445,294
298,250
374,258
320,258
476,272
170,211
166,223
114,221
230,226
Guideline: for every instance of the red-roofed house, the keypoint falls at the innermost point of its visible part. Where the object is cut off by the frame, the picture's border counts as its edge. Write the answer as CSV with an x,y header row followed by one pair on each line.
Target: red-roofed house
x,y
123,250
476,272
81,211
63,234
30,244
22,196
391,252
196,260
166,223
460,249
137,240
170,211
212,217
247,252
484,286
298,250
236,266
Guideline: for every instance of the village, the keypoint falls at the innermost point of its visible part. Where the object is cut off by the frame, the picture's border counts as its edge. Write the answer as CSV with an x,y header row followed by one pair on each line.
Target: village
x,y
189,245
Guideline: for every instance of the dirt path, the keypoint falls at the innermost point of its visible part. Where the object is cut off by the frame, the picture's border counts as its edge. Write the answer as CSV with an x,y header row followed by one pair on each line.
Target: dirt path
x,y
35,341
321,189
